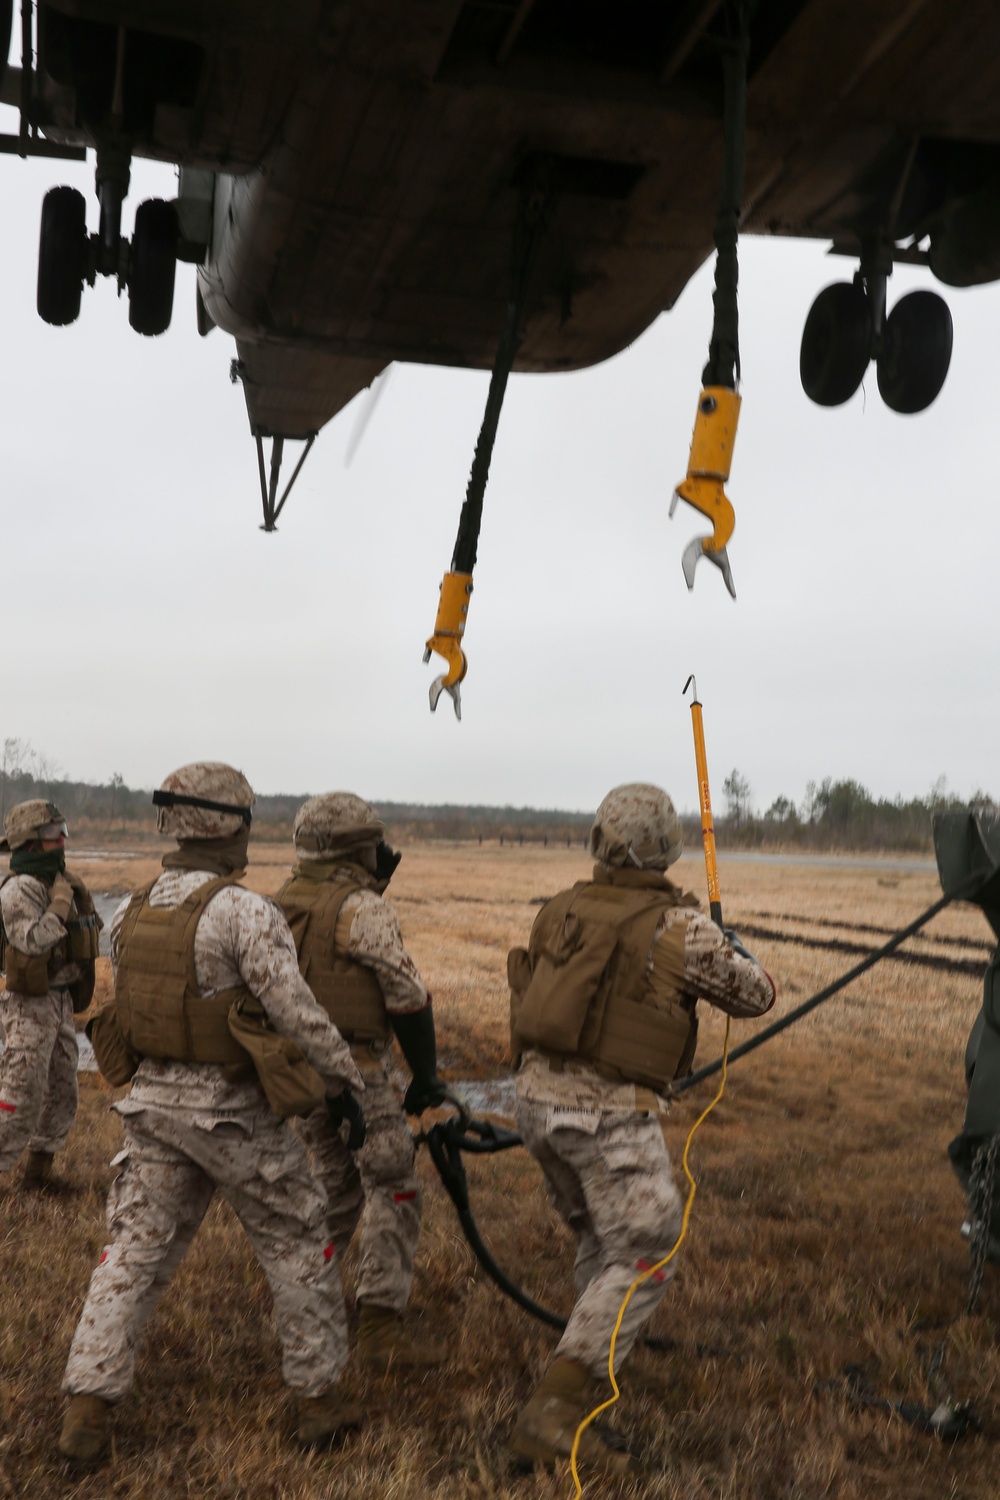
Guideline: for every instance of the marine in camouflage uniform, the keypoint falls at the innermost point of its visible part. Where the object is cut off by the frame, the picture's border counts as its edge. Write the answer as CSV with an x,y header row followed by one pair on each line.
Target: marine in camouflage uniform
x,y
352,954
602,1018
194,1127
50,942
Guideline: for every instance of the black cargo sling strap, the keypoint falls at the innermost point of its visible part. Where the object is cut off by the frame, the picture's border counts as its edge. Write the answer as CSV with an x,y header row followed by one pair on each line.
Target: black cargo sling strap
x,y
535,197
446,1140
723,367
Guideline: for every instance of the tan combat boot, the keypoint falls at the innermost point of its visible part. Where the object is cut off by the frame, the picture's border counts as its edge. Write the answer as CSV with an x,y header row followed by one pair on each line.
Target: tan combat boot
x,y
323,1419
84,1435
382,1342
545,1430
37,1170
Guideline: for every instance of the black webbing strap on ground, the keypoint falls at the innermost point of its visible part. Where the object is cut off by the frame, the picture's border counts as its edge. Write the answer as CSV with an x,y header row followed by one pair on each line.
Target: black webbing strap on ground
x,y
827,994
723,366
446,1141
532,215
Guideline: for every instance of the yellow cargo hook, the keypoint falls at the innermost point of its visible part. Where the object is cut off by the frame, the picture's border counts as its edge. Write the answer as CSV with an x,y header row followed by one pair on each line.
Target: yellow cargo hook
x,y
449,627
709,463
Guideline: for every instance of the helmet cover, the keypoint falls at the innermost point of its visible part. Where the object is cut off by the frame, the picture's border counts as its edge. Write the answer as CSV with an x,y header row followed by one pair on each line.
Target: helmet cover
x,y
336,823
636,825
207,781
28,821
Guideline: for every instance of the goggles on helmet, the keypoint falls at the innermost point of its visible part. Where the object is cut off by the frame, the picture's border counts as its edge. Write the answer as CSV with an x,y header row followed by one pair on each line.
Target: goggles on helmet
x,y
182,799
53,831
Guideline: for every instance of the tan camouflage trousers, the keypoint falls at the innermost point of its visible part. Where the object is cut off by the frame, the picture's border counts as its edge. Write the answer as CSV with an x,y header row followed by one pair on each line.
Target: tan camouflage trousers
x,y
608,1174
376,1186
38,1087
171,1166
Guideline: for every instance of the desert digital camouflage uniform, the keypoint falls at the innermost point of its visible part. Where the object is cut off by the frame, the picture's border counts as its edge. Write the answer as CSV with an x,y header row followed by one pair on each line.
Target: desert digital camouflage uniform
x,y
38,1088
598,1138
352,952
601,1147
378,1184
190,1130
38,1066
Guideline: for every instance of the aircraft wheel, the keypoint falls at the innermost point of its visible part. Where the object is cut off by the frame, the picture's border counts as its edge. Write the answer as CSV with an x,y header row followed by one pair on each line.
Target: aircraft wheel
x,y
62,255
152,265
836,344
916,352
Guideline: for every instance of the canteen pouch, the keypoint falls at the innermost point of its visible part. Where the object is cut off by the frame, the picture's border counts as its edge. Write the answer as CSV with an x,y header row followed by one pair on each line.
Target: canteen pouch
x,y
292,1085
115,1057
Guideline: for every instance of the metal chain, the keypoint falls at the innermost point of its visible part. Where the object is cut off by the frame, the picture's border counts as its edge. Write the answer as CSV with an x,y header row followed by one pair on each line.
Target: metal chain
x,y
981,1190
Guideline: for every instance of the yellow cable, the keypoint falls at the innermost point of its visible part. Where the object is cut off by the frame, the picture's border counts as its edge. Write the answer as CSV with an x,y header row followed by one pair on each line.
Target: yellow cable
x,y
650,1271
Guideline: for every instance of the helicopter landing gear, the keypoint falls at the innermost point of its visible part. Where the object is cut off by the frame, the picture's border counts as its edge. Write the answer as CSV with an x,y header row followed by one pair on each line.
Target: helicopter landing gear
x,y
916,352
62,256
847,328
68,256
152,266
836,344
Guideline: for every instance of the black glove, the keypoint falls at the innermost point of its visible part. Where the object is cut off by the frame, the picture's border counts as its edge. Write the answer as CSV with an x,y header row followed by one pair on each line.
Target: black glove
x,y
732,937
415,1035
343,1107
386,860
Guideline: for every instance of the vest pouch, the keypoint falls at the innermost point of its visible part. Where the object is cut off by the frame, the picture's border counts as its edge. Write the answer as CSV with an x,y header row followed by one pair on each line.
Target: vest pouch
x,y
643,1052
84,939
518,977
566,979
292,1085
115,1057
27,976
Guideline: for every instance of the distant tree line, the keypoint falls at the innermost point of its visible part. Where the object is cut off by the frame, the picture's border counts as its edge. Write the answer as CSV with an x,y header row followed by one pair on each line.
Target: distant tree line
x,y
110,809
838,815
832,815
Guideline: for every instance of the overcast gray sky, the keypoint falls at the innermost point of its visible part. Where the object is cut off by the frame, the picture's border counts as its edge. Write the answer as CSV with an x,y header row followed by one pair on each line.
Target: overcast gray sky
x,y
148,621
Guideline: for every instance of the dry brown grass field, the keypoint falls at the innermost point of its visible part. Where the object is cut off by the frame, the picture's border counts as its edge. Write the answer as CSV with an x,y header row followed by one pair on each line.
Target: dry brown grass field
x,y
824,1234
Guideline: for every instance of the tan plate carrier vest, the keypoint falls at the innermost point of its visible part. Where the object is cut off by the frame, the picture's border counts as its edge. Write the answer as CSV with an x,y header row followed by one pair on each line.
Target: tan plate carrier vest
x,y
160,1009
581,989
348,991
32,974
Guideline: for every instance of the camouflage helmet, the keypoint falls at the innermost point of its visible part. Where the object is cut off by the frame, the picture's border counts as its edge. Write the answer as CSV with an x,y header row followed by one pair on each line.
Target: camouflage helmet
x,y
636,825
204,800
29,821
336,823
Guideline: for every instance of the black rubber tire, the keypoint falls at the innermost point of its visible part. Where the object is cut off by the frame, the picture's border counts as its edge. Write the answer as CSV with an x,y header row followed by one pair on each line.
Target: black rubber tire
x,y
836,344
62,256
916,352
152,267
